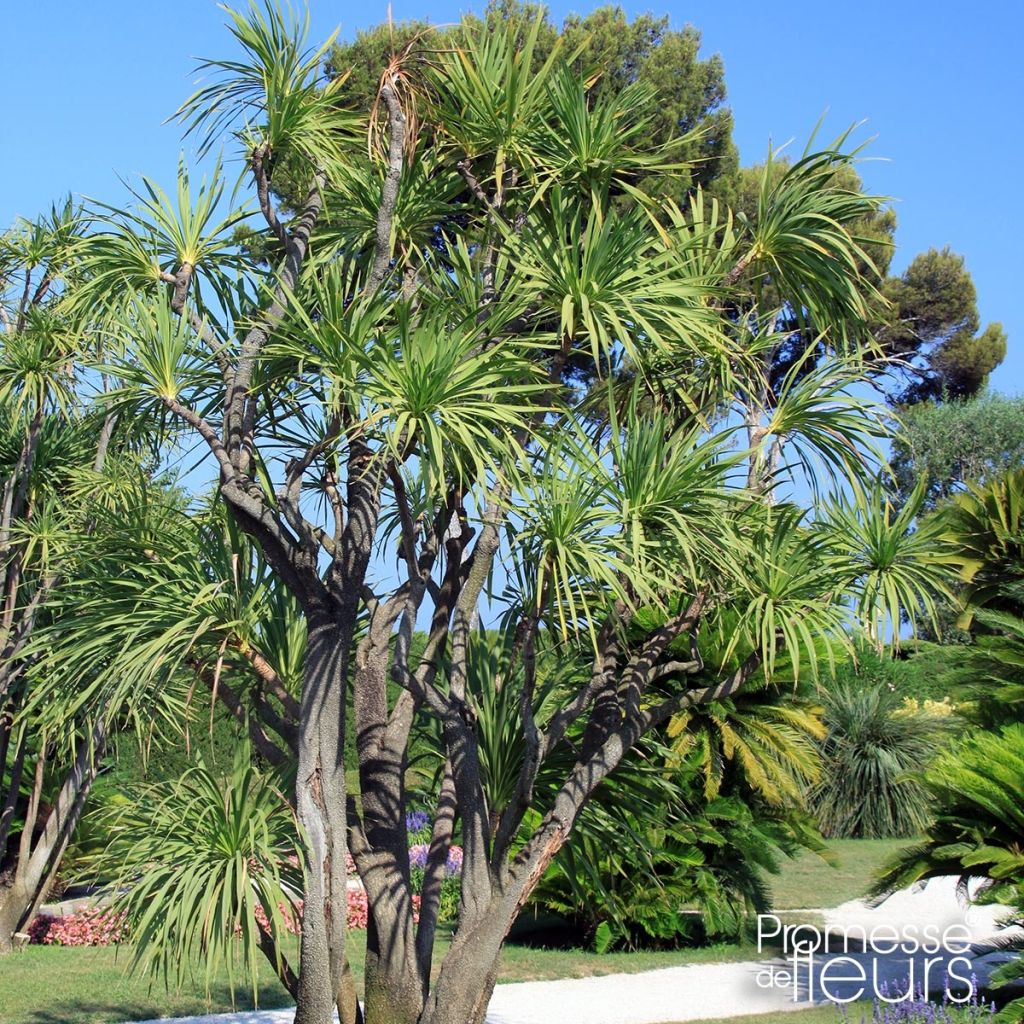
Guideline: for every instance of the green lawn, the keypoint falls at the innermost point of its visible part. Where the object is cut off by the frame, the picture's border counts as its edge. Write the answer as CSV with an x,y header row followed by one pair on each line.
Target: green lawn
x,y
811,882
52,985
55,985
815,1015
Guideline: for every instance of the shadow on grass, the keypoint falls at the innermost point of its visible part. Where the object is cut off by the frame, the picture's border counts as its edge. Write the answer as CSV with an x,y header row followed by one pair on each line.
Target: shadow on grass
x,y
152,1007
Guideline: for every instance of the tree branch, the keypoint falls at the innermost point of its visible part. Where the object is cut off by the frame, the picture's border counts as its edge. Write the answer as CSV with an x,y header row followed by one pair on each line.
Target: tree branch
x,y
389,190
259,170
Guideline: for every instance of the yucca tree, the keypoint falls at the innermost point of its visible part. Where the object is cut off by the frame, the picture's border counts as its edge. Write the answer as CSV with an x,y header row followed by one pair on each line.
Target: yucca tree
x,y
387,409
60,459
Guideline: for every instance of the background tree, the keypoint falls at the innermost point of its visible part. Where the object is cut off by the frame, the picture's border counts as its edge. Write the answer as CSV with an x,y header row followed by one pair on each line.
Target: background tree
x,y
924,320
948,448
64,465
680,94
953,444
934,329
377,388
926,329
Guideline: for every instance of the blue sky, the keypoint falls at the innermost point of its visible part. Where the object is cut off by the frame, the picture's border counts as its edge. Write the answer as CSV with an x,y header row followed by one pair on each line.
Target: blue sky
x,y
941,85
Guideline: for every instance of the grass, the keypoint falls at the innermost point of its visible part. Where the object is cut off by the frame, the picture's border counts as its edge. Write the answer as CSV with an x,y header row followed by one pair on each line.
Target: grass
x,y
814,1015
527,963
809,882
57,985
54,985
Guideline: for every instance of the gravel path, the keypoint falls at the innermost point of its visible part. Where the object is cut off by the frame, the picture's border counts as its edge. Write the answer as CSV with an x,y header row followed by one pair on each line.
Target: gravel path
x,y
701,991
651,997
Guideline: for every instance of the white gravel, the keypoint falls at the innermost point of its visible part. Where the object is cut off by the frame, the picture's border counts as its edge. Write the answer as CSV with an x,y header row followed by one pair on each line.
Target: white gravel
x,y
698,991
652,997
934,902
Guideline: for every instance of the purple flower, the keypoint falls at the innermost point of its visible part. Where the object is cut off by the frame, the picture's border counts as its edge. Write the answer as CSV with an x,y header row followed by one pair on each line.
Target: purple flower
x,y
419,852
416,820
454,865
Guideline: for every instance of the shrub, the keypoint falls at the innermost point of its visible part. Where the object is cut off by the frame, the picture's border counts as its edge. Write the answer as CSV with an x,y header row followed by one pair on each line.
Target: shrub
x,y
655,862
874,746
87,928
357,912
922,671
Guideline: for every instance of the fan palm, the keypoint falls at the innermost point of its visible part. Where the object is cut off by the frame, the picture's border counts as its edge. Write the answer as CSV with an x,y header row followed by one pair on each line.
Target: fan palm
x,y
873,749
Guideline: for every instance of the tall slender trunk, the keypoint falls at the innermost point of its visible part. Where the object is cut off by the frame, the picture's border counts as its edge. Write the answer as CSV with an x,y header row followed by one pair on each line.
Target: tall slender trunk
x,y
393,987
26,887
320,804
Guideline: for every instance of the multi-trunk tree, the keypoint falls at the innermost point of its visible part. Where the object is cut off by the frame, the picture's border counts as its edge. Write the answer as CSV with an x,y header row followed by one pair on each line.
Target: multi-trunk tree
x,y
385,394
55,455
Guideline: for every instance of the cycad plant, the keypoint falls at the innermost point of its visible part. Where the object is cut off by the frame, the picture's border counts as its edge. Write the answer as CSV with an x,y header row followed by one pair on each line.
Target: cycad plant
x,y
390,418
975,789
986,528
654,862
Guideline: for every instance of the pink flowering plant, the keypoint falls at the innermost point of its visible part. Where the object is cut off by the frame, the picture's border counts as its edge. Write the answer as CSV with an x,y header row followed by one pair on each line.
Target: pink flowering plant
x,y
357,912
87,928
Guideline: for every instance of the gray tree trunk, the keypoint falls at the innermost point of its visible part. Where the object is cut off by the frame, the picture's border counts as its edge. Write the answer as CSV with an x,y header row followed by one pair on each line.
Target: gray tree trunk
x,y
320,802
37,862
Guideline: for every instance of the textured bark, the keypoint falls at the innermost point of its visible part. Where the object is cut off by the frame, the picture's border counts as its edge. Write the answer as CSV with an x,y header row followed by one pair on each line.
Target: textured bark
x,y
14,898
320,804
389,191
392,984
40,850
467,977
349,1010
